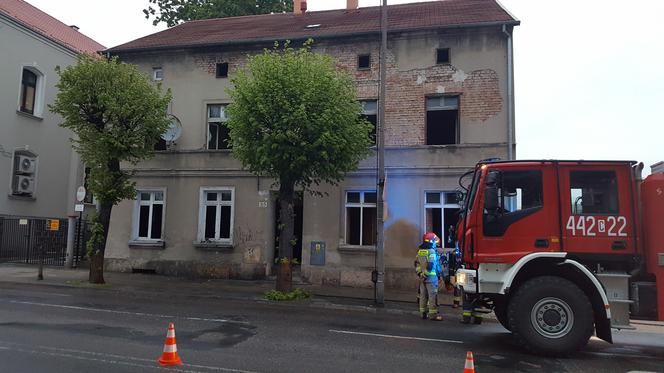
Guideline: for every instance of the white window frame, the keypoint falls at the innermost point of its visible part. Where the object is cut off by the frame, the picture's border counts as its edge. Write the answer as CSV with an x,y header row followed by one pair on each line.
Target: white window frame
x,y
218,120
137,213
442,206
203,203
38,110
362,205
156,70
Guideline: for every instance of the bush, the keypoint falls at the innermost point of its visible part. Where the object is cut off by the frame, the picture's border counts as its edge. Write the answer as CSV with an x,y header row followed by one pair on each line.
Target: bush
x,y
296,294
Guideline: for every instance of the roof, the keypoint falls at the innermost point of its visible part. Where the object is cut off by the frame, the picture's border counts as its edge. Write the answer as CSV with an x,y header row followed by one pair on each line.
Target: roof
x,y
330,23
49,27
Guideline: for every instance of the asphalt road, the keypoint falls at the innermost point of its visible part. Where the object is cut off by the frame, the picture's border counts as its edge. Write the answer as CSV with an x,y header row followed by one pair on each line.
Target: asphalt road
x,y
47,329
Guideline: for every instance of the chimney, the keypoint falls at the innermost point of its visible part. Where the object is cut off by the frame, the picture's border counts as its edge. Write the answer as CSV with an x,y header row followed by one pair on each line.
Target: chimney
x,y
352,4
74,27
299,6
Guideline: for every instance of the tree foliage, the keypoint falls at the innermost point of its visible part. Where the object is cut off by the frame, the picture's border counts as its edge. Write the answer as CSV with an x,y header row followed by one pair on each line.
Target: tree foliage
x,y
295,117
173,12
116,115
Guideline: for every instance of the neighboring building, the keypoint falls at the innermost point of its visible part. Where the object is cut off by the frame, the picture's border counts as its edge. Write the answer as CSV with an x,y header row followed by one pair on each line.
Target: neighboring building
x,y
39,171
657,167
449,105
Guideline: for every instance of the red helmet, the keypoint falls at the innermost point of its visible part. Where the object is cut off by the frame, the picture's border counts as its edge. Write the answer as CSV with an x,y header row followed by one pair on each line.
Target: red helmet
x,y
430,237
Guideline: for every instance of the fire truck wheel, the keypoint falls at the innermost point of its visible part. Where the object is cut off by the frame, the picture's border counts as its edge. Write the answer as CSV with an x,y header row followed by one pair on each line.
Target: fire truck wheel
x,y
550,315
500,310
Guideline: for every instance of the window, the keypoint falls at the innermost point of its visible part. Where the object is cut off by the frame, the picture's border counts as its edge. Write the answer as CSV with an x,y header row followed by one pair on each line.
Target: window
x,y
149,215
594,192
370,113
361,218
509,197
28,91
218,133
442,120
441,210
215,217
157,74
24,173
442,55
364,62
222,70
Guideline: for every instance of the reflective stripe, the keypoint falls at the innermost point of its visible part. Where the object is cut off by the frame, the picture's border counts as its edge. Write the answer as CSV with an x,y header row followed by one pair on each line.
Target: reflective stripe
x,y
170,348
171,333
422,252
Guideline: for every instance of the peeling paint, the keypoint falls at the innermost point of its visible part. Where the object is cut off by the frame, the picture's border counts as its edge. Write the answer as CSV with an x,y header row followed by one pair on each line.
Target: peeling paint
x,y
459,76
440,89
421,79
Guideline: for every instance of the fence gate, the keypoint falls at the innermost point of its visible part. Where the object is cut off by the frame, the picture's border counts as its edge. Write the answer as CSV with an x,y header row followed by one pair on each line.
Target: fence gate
x,y
27,240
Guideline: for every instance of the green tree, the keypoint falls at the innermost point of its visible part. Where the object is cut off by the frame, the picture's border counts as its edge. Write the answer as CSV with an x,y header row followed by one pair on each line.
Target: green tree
x,y
116,115
295,117
173,12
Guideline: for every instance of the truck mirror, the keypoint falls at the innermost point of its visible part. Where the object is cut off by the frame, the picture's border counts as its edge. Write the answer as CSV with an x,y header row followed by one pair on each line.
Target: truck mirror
x,y
491,202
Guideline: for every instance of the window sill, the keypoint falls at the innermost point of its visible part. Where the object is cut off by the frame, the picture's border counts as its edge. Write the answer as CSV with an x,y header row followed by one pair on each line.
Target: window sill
x,y
147,244
356,249
22,198
213,246
28,115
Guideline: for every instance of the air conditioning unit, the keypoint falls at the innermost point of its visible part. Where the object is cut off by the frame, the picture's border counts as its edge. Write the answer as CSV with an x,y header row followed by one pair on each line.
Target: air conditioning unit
x,y
23,185
25,165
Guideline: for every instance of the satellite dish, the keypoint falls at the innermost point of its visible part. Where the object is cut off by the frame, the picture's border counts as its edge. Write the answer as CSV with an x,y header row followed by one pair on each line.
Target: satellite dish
x,y
174,130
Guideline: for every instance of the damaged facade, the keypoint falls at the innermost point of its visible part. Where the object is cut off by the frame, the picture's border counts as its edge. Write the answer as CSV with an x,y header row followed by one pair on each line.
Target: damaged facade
x,y
448,105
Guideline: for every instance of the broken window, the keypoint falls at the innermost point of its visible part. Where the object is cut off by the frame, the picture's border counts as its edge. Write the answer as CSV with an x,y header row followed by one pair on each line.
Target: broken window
x,y
370,113
361,218
222,70
364,62
216,215
150,216
218,132
441,210
594,192
442,126
442,55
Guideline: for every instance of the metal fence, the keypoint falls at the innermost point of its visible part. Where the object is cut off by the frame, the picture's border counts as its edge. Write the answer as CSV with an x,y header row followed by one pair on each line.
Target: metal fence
x,y
29,240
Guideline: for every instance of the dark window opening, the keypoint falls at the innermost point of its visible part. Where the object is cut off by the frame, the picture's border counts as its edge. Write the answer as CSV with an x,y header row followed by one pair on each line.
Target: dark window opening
x,y
28,91
370,113
442,127
157,215
364,62
219,136
225,222
442,55
210,219
594,192
222,70
144,221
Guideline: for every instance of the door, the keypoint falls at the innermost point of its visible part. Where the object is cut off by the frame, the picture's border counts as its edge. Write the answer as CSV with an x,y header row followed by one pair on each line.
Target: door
x,y
519,215
597,210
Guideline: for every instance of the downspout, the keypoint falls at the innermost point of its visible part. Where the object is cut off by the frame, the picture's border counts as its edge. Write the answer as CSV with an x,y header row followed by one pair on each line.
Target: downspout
x,y
510,95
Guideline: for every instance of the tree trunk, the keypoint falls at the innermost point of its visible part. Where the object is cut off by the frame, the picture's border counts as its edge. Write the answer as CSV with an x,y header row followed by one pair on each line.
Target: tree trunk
x,y
286,233
97,259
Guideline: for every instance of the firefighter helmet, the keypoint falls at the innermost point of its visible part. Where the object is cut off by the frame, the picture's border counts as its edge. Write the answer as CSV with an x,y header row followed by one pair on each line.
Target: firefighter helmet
x,y
430,237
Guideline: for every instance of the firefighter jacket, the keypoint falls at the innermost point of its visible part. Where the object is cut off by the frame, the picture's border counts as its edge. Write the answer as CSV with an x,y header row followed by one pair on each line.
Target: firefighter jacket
x,y
427,263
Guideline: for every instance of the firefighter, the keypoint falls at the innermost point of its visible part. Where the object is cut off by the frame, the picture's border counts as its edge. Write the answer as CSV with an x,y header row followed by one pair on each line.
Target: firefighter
x,y
427,266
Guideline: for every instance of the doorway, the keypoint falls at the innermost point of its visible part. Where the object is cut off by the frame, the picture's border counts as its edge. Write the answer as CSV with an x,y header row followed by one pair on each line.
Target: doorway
x,y
297,231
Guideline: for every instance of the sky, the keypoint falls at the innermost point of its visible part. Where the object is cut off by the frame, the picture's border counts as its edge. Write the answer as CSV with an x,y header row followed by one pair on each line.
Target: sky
x,y
588,74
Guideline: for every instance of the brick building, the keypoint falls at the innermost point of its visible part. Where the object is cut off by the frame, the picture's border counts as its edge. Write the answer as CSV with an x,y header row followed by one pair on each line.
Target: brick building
x,y
448,105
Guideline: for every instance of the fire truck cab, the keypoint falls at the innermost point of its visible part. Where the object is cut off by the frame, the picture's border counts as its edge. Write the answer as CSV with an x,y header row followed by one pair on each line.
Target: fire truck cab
x,y
554,248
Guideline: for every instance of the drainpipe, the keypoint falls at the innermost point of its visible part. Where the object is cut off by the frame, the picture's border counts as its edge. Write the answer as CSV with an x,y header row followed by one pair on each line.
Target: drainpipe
x,y
510,95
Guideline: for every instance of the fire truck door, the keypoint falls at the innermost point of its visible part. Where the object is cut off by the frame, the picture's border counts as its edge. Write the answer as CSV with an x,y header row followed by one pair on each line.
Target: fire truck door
x,y
596,209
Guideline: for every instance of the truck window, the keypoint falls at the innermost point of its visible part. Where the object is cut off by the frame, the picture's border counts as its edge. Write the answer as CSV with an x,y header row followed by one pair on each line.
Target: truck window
x,y
594,192
519,195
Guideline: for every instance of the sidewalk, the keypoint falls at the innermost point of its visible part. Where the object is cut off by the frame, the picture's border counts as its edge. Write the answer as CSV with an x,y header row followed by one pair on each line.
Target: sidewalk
x,y
344,298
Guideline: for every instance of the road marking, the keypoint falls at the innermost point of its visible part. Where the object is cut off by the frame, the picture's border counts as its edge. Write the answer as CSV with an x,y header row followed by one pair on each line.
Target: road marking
x,y
128,312
110,358
395,336
618,354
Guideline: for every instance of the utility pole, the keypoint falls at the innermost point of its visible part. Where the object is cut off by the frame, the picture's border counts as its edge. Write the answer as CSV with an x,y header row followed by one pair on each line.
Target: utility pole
x,y
380,247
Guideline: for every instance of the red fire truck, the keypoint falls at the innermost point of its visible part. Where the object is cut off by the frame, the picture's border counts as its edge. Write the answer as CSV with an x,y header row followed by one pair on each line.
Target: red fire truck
x,y
560,250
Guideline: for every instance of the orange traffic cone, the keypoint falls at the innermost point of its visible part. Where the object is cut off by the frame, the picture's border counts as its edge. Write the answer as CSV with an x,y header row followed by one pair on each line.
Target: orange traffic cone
x,y
170,355
470,364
